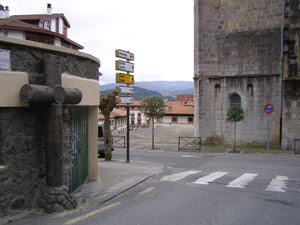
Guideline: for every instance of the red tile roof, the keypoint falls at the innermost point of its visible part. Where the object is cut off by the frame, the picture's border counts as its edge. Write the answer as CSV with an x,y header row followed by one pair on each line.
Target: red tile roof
x,y
178,109
116,113
183,97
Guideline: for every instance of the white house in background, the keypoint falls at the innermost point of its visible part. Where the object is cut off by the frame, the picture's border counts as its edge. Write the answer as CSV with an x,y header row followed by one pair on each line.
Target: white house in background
x,y
47,28
137,118
178,114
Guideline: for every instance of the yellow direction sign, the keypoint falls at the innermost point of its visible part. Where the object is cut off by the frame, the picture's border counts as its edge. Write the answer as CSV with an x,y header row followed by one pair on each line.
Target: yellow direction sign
x,y
124,78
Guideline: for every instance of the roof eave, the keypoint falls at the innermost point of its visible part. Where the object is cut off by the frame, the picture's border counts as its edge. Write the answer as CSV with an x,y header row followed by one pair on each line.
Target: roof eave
x,y
43,32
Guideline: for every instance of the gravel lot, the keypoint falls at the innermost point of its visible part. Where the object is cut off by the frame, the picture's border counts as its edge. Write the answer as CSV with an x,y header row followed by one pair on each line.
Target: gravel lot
x,y
165,137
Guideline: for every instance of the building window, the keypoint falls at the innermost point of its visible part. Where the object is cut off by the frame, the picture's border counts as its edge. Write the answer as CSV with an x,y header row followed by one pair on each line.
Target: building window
x,y
43,38
57,25
174,119
190,119
250,88
235,99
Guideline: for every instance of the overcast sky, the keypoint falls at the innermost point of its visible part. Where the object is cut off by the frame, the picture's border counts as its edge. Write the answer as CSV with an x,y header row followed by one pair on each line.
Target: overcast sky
x,y
158,32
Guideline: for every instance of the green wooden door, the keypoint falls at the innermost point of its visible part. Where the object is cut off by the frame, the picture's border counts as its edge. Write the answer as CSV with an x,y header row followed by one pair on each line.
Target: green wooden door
x,y
78,137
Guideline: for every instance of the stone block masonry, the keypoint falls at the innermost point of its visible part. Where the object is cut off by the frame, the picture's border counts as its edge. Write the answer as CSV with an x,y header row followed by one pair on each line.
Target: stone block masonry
x,y
238,47
216,129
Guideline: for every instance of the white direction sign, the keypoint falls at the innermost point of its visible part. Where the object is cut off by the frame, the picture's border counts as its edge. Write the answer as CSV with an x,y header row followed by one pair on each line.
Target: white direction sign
x,y
124,66
126,90
124,55
4,60
125,100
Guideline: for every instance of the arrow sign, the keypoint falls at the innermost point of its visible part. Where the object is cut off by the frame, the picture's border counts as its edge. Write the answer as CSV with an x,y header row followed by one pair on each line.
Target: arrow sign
x,y
125,100
124,66
124,55
125,90
268,108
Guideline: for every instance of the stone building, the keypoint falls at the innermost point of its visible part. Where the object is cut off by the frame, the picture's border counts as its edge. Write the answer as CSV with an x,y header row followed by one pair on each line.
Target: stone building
x,y
242,52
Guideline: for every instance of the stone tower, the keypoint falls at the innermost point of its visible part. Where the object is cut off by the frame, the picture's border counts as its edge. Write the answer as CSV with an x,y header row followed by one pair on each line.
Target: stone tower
x,y
238,49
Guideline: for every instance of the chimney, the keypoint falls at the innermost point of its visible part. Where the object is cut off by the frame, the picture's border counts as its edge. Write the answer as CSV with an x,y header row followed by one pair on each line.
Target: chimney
x,y
7,12
170,109
49,10
2,14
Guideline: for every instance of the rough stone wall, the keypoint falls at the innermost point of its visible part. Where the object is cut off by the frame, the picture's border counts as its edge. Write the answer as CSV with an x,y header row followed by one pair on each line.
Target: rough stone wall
x,y
290,112
216,18
30,60
237,50
249,53
22,140
22,152
255,92
291,78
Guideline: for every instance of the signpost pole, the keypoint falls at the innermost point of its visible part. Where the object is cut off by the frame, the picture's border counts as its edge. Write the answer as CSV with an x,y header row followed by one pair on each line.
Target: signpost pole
x,y
127,153
268,108
128,130
268,132
127,79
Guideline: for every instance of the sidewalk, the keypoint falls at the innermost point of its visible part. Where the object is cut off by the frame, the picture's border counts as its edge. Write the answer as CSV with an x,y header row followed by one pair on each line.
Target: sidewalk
x,y
114,178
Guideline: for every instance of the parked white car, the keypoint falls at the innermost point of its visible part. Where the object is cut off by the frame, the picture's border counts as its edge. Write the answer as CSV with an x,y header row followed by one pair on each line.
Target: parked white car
x,y
100,139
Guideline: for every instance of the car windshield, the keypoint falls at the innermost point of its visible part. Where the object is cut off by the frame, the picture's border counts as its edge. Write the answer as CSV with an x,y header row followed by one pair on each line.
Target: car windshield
x,y
100,132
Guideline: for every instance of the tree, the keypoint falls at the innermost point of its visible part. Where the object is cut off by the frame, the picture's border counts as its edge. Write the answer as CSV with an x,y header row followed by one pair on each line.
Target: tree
x,y
235,114
153,107
107,103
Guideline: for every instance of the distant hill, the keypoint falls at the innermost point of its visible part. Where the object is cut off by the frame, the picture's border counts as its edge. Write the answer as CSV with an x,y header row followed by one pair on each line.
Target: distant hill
x,y
171,87
141,93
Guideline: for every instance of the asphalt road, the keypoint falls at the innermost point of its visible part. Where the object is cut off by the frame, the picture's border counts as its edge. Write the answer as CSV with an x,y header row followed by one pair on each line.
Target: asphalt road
x,y
201,188
252,190
196,188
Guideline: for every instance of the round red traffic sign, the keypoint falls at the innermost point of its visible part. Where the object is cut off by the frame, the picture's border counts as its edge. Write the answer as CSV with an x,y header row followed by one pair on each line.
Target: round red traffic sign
x,y
268,108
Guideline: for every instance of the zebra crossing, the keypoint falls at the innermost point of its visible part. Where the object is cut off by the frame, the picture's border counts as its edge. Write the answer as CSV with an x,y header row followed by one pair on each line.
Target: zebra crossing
x,y
277,184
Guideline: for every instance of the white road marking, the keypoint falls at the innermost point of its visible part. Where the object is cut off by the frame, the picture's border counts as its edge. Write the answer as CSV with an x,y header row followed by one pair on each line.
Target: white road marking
x,y
278,183
179,176
191,156
242,181
209,178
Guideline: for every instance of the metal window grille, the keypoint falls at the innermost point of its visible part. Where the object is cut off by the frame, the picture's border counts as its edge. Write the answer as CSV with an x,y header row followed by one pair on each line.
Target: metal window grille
x,y
235,99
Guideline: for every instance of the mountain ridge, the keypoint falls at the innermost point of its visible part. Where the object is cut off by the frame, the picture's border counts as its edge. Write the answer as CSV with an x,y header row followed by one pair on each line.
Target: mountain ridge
x,y
166,87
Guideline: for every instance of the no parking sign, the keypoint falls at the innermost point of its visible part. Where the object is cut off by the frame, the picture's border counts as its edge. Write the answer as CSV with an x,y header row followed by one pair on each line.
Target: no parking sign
x,y
268,108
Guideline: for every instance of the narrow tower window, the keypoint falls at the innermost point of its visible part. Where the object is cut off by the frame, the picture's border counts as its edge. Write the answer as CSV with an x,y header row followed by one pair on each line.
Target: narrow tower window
x,y
235,99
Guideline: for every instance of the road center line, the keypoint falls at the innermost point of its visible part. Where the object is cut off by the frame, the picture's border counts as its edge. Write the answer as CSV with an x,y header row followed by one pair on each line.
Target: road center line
x,y
146,191
91,213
